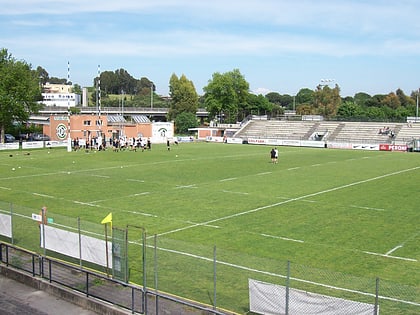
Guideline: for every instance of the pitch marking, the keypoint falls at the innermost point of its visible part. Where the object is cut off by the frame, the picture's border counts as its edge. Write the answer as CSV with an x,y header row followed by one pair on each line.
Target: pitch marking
x,y
228,179
282,238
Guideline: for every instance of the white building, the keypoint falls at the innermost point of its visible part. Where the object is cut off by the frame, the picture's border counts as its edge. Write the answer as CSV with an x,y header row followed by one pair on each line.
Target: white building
x,y
59,95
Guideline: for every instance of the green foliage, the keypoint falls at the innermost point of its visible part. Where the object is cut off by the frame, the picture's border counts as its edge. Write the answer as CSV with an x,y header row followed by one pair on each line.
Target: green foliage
x,y
326,100
19,91
225,95
184,98
185,120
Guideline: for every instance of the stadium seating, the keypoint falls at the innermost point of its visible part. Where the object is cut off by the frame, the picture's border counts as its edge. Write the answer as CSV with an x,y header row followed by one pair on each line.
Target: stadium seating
x,y
353,132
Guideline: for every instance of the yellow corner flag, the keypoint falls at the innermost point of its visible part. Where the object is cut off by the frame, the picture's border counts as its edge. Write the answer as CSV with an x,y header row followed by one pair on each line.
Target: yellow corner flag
x,y
107,219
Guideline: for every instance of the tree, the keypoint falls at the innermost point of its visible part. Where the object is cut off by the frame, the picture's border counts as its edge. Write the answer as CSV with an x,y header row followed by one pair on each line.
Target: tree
x,y
391,100
185,120
304,96
77,89
274,98
350,109
226,94
183,95
19,91
327,100
42,75
361,98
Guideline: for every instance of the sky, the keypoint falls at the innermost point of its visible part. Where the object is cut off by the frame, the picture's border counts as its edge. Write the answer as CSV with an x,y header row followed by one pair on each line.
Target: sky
x,y
370,46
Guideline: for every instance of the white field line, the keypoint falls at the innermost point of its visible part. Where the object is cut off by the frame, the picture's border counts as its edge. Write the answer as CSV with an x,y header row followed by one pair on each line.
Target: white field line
x,y
367,208
235,192
135,180
282,238
389,256
43,195
5,188
85,203
265,173
185,186
228,179
393,250
100,176
141,213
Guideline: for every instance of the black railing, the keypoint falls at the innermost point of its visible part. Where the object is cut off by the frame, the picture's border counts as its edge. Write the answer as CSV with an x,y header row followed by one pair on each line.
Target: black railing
x,y
99,286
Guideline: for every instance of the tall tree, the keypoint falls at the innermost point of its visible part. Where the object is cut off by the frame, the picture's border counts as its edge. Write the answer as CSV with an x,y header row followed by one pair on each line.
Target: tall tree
x,y
42,75
327,100
184,98
226,94
19,91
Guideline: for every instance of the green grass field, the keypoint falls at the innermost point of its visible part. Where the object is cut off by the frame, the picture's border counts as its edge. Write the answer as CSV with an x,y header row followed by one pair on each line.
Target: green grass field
x,y
341,217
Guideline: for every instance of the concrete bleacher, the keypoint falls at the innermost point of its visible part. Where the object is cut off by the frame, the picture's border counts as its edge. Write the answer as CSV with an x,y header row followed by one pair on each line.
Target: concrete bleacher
x,y
361,132
407,133
276,129
365,132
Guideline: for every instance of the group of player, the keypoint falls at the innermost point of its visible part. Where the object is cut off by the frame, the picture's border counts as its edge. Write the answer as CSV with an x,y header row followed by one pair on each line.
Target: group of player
x,y
124,143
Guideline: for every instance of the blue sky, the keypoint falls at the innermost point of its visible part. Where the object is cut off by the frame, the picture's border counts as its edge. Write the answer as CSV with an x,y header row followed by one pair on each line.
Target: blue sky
x,y
370,46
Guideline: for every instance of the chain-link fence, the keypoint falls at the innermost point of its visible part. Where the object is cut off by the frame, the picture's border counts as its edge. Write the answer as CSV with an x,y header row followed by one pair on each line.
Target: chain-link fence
x,y
175,272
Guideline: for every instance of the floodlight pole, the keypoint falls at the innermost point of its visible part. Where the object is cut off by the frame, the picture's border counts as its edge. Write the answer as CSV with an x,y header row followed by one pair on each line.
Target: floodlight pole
x,y
417,104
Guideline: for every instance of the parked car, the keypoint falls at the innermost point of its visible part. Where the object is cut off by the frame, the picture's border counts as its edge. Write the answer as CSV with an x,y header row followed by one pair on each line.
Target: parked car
x,y
9,138
39,137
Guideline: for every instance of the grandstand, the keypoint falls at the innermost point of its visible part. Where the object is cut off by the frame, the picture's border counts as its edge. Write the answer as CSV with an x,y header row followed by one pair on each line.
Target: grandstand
x,y
338,131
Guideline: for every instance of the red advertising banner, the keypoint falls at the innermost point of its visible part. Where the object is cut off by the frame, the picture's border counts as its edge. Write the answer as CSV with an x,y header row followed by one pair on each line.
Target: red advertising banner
x,y
393,147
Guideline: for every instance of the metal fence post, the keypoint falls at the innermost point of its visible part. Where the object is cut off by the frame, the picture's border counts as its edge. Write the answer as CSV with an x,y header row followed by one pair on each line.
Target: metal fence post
x,y
287,288
376,308
156,276
80,242
214,277
11,218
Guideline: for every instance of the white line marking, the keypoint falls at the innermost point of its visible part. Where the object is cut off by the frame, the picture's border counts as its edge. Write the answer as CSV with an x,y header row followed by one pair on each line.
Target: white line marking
x,y
5,188
135,180
43,195
367,208
101,176
185,186
85,203
140,194
316,165
235,192
389,256
393,250
228,179
265,173
141,213
293,168
282,238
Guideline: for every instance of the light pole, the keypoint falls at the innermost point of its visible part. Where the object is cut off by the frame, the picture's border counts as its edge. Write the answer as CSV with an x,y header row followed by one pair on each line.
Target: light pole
x,y
417,105
151,95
